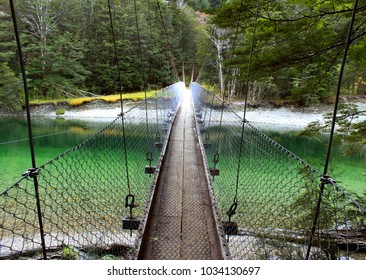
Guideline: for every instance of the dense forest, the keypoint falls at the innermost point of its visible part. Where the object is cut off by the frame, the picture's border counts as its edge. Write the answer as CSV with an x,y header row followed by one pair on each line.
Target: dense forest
x,y
297,49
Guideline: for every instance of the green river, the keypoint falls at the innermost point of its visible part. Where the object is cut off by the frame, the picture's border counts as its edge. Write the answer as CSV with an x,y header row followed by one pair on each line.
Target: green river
x,y
53,136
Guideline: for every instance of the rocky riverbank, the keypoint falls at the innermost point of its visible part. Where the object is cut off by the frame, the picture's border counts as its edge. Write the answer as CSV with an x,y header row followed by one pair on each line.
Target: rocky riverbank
x,y
264,114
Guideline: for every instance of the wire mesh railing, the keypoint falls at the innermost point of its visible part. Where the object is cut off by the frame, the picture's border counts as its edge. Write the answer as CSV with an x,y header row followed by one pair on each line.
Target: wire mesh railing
x,y
269,215
83,192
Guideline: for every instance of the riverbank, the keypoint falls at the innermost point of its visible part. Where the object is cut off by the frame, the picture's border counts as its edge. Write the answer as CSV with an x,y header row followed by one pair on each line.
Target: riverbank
x,y
265,114
56,134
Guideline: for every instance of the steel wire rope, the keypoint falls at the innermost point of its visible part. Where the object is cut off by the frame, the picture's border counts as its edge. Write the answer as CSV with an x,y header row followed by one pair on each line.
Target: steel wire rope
x,y
149,156
325,178
32,172
122,114
168,44
214,93
218,150
245,103
149,20
209,118
234,46
207,48
234,205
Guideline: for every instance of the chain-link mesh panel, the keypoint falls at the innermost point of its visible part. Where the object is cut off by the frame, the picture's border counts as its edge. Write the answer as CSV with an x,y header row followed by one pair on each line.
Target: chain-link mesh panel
x,y
269,215
83,191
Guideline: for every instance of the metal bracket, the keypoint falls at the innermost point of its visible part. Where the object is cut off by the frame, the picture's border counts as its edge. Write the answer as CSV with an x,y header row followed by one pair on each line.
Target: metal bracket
x,y
230,228
150,169
130,222
326,179
232,211
31,172
207,145
158,143
214,172
216,159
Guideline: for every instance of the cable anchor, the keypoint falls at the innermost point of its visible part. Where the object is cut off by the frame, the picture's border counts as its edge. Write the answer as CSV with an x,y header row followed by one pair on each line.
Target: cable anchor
x,y
207,145
158,143
130,222
230,227
215,171
149,169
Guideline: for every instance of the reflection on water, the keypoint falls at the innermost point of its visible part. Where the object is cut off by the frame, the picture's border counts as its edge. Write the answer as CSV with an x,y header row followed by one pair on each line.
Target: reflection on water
x,y
53,136
349,170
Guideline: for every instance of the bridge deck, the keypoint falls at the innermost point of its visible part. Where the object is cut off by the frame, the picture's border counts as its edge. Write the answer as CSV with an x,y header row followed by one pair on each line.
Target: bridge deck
x,y
182,224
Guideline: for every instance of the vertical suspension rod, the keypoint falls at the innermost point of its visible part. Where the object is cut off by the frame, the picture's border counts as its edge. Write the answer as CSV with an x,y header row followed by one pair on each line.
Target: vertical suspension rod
x,y
246,100
332,131
30,132
229,69
143,74
120,94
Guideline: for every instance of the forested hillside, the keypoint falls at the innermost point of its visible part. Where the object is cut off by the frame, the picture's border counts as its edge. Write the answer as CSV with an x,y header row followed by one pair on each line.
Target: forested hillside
x,y
297,49
68,46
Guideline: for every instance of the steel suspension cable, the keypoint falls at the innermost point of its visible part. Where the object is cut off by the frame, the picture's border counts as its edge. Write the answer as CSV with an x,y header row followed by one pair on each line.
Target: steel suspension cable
x,y
325,179
168,44
143,74
32,172
234,44
246,100
121,97
218,151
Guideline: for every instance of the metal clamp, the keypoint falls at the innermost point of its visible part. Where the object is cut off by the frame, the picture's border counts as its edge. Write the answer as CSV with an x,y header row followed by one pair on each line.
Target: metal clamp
x,y
130,201
216,159
31,172
232,210
326,179
149,157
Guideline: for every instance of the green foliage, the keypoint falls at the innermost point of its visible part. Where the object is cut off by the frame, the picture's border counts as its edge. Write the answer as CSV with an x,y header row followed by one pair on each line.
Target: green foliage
x,y
70,253
10,89
108,258
298,44
348,129
68,44
199,4
60,111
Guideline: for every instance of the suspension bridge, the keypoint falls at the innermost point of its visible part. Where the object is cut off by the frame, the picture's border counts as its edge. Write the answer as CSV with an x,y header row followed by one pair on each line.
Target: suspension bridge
x,y
179,176
181,201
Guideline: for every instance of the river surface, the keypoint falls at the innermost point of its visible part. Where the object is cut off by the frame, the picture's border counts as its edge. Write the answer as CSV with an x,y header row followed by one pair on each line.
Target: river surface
x,y
53,136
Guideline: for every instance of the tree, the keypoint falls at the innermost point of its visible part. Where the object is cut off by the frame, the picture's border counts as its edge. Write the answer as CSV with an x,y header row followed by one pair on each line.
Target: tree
x,y
221,42
10,89
68,44
298,45
350,130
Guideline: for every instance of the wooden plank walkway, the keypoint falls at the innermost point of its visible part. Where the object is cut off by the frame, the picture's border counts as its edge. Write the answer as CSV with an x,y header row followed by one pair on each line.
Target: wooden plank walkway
x,y
182,226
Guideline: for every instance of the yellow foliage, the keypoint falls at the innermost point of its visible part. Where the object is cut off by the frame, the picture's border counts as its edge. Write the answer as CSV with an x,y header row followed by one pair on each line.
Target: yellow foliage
x,y
110,98
79,101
